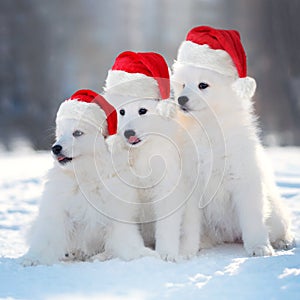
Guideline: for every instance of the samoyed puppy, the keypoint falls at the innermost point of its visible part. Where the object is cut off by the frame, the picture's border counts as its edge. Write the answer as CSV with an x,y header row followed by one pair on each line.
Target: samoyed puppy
x,y
137,84
156,172
238,199
85,211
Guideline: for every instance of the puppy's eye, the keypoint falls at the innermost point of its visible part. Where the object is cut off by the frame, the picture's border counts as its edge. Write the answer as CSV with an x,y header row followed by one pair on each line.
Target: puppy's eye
x,y
203,85
77,133
142,111
122,112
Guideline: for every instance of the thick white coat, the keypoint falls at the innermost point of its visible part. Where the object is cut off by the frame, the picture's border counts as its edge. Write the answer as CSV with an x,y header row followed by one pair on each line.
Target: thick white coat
x,y
157,167
85,211
236,199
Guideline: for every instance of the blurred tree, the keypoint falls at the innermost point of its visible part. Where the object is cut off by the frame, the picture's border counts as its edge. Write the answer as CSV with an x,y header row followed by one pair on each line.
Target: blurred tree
x,y
49,49
24,78
278,66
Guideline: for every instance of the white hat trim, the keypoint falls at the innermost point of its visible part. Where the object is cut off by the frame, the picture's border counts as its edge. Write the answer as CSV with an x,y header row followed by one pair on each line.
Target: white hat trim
x,y
90,113
203,56
132,84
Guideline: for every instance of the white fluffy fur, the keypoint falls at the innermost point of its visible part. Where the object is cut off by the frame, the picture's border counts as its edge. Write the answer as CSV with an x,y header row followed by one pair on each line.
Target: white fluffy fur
x,y
203,56
244,87
236,199
166,109
86,212
156,166
82,111
132,84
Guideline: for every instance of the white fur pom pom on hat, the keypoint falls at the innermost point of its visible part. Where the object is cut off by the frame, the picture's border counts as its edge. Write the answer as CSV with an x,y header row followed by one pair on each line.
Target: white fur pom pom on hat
x,y
244,87
221,51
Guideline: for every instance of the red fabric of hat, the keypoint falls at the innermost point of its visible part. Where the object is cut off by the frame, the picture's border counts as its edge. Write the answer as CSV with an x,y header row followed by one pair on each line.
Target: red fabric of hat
x,y
148,63
227,40
90,96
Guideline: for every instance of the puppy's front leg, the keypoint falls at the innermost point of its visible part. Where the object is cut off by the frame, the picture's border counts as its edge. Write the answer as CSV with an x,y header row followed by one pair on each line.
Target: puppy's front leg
x,y
47,238
251,209
47,241
167,235
124,241
191,228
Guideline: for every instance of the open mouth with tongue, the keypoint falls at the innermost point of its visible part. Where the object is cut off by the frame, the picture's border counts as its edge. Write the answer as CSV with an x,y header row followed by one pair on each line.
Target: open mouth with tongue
x,y
63,159
133,140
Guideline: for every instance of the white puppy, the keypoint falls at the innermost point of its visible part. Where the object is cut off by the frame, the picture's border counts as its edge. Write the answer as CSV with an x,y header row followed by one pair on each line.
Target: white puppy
x,y
237,196
136,84
85,211
156,166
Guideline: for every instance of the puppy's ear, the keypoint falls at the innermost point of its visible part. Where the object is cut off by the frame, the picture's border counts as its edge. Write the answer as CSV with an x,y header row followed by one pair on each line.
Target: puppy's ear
x,y
115,143
166,109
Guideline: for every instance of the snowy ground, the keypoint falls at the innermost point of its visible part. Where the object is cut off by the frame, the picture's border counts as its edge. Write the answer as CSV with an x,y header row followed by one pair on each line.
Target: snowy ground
x,y
224,272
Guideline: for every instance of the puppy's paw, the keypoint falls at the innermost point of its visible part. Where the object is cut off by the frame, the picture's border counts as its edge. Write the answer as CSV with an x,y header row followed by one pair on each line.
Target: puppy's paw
x,y
186,255
75,255
166,108
135,253
29,262
169,257
149,252
284,243
103,256
261,250
142,253
115,143
168,254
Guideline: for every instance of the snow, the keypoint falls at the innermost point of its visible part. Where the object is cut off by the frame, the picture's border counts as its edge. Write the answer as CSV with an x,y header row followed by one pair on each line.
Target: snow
x,y
224,272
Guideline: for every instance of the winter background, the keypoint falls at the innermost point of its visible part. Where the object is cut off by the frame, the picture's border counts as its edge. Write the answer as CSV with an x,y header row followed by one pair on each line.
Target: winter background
x,y
49,49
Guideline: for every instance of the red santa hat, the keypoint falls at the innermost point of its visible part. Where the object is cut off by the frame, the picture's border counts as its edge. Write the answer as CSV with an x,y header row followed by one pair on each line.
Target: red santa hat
x,y
90,107
218,50
139,74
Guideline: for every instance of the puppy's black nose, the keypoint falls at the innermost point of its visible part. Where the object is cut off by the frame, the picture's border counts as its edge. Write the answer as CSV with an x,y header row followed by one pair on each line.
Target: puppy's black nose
x,y
128,133
56,149
182,100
